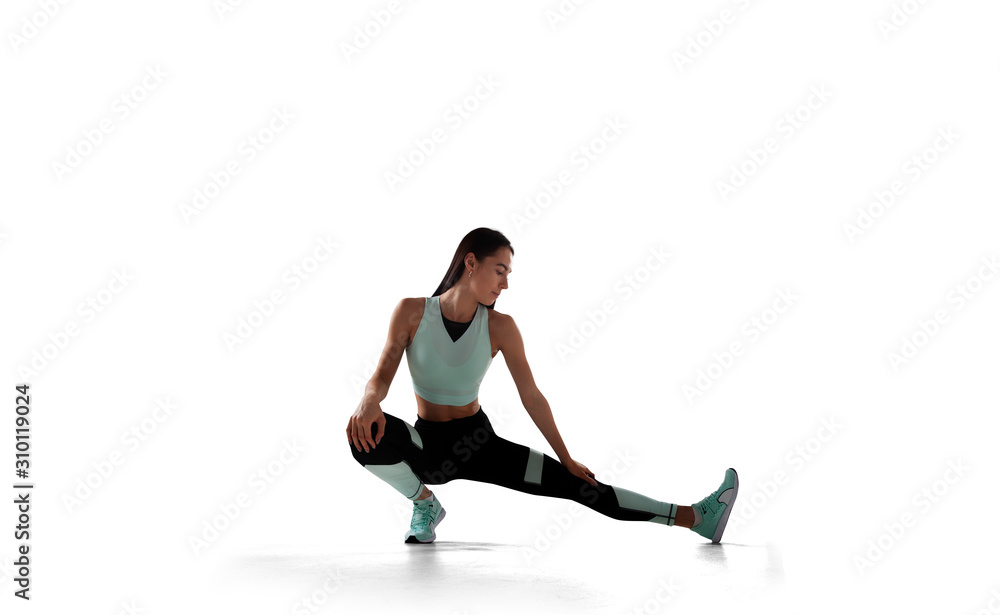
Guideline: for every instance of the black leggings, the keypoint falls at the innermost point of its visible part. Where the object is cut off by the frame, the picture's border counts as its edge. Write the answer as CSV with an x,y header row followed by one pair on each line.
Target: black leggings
x,y
437,452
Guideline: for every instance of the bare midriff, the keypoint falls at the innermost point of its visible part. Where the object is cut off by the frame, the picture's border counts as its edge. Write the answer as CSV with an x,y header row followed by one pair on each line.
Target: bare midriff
x,y
437,412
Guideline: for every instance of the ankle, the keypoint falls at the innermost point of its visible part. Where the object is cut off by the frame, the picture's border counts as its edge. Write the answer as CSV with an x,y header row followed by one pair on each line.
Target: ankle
x,y
685,517
425,494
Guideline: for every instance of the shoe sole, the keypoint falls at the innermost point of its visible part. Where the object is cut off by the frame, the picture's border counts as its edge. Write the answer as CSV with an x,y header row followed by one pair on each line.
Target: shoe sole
x,y
717,536
413,539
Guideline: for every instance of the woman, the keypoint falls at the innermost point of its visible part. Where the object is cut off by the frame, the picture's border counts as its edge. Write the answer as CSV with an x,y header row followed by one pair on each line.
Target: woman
x,y
450,339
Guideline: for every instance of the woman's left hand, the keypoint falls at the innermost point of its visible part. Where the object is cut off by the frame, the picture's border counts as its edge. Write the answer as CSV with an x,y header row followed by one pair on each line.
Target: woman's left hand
x,y
578,469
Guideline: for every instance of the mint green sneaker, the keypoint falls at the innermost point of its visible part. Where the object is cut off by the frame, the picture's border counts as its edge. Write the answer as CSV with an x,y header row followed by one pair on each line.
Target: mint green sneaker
x,y
427,515
712,512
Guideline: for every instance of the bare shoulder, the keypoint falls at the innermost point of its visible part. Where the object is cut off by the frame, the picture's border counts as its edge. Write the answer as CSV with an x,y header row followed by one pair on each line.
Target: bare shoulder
x,y
500,327
407,315
499,317
412,304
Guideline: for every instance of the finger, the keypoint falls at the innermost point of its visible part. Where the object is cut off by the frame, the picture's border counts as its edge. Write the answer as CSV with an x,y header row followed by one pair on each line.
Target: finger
x,y
358,428
368,435
354,436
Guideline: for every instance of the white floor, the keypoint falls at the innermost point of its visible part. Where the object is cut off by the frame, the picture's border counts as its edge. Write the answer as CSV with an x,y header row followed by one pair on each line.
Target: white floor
x,y
484,577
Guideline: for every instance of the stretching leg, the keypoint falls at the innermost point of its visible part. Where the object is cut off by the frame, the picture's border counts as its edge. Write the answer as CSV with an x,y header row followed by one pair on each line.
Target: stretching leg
x,y
501,462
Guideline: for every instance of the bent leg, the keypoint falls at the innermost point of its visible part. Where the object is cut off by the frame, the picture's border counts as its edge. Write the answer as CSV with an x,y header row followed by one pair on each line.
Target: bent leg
x,y
398,457
515,466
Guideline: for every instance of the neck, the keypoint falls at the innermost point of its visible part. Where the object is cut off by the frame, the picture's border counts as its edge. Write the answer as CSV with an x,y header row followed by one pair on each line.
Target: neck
x,y
458,304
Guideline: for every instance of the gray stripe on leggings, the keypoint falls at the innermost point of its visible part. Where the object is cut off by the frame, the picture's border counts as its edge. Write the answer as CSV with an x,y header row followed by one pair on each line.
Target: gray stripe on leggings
x,y
415,436
665,511
533,470
400,476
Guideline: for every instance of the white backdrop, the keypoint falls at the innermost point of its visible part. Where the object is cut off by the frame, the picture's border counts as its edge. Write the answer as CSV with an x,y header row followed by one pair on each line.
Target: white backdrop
x,y
751,234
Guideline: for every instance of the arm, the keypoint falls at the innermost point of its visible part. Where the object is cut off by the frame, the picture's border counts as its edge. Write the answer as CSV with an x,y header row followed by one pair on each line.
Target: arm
x,y
512,347
541,414
395,344
369,411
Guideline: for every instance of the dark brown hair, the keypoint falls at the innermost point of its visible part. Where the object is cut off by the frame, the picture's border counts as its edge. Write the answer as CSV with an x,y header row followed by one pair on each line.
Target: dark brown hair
x,y
482,242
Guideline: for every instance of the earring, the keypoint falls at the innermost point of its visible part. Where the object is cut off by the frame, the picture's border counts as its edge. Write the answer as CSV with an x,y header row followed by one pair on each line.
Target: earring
x,y
470,274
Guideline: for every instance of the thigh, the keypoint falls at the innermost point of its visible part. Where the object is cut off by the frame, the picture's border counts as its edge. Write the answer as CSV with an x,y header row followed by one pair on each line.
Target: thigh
x,y
399,442
508,464
446,452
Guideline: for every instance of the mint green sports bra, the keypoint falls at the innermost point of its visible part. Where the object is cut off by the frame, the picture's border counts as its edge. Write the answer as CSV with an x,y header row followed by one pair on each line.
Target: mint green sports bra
x,y
449,372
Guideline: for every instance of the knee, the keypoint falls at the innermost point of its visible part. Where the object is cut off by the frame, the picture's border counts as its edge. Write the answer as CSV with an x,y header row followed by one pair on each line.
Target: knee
x,y
388,449
360,455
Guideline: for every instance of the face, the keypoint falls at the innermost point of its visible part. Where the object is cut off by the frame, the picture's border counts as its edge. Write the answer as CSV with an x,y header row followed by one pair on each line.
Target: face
x,y
490,277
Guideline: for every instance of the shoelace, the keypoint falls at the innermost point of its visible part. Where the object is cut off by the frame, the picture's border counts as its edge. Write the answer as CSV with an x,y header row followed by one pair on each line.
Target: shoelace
x,y
421,516
710,503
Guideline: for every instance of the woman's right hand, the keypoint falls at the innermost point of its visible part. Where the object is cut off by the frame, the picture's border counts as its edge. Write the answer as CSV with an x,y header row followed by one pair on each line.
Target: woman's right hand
x,y
359,426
